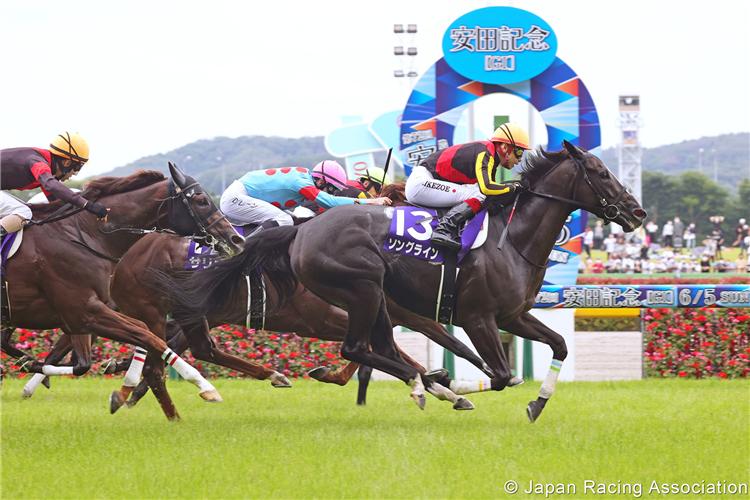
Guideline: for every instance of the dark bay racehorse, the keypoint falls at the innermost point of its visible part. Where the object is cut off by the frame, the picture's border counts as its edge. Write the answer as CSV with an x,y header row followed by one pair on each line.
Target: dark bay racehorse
x,y
60,277
496,288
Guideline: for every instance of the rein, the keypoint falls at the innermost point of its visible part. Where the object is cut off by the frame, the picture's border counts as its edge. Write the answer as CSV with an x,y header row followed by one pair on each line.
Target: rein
x,y
54,217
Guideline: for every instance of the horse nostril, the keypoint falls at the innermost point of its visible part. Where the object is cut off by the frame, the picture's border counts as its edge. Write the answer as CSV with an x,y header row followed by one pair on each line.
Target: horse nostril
x,y
238,240
640,213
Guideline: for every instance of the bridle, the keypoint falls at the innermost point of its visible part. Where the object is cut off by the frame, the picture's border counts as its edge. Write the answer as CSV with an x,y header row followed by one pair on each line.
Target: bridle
x,y
177,227
610,210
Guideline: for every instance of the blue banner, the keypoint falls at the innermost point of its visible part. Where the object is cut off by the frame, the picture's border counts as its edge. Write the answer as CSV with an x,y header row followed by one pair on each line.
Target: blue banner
x,y
642,296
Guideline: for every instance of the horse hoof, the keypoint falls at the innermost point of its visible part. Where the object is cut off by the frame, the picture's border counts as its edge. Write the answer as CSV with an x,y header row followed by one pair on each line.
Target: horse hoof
x,y
463,404
211,396
110,367
419,398
515,381
22,360
27,393
436,374
533,411
279,380
114,402
319,372
45,382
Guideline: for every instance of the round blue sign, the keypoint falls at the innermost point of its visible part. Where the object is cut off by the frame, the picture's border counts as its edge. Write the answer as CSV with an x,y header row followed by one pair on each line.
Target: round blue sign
x,y
499,45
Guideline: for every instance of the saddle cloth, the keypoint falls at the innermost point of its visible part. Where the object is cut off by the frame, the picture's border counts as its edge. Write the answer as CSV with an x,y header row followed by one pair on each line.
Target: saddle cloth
x,y
412,227
10,245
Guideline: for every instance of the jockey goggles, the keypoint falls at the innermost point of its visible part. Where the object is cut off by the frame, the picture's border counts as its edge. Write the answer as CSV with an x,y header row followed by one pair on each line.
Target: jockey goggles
x,y
331,188
518,152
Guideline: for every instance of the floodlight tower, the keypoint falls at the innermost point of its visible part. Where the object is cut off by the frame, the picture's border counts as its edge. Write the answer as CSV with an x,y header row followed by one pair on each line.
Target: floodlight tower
x,y
406,69
629,149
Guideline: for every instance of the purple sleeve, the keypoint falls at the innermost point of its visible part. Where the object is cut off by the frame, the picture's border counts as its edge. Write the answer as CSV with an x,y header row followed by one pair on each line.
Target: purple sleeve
x,y
60,190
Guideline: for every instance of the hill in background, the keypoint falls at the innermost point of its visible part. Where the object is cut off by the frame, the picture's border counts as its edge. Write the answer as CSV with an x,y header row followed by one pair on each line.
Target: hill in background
x,y
732,158
243,154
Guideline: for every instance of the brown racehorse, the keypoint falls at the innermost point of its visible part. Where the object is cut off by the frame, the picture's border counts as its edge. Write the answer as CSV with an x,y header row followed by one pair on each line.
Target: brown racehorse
x,y
306,315
60,277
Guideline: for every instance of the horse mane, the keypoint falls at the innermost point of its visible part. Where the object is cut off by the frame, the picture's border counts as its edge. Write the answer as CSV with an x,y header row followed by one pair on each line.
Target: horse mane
x,y
105,186
539,162
396,191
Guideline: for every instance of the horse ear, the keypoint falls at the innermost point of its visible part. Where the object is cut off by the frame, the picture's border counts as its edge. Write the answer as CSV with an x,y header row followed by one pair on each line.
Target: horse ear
x,y
177,175
574,151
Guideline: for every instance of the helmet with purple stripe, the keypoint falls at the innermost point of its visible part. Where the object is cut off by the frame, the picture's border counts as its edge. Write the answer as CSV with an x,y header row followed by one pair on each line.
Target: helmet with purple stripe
x,y
331,172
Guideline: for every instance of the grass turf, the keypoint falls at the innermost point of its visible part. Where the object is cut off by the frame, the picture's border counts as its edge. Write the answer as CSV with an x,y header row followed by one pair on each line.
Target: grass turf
x,y
312,441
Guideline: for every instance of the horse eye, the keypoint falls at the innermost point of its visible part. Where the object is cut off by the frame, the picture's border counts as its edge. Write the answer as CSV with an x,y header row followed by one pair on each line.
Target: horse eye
x,y
604,175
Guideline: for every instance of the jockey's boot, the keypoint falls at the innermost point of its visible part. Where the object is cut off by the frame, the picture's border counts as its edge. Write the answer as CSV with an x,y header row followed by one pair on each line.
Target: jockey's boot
x,y
446,232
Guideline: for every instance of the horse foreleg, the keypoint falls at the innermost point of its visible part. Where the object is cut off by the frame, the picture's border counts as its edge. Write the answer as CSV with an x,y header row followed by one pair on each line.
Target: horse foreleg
x,y
203,347
99,320
437,333
529,327
485,336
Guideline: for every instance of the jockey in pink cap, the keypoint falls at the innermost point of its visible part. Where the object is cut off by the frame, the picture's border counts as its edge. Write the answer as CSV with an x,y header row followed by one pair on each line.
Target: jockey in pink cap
x,y
263,197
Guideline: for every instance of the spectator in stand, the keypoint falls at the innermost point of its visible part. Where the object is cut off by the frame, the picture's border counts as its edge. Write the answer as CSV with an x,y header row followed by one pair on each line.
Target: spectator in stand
x,y
638,267
588,241
689,237
582,267
620,246
718,237
706,262
651,229
609,245
666,234
678,230
742,231
597,267
598,235
667,253
717,220
644,251
628,264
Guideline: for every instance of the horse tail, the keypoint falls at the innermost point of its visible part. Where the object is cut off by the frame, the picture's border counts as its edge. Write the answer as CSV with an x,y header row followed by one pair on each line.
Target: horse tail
x,y
217,289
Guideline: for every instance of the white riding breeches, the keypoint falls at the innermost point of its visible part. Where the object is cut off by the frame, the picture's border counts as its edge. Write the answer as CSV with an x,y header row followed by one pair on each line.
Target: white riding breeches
x,y
237,205
423,189
10,205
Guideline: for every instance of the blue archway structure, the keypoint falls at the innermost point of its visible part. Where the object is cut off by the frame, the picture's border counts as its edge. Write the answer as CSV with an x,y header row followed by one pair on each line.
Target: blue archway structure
x,y
441,95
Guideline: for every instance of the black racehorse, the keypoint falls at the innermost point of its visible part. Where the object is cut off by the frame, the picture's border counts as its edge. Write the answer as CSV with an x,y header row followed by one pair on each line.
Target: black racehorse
x,y
496,288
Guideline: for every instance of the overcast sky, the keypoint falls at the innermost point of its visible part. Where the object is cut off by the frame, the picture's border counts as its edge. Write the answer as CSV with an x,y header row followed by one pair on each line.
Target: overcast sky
x,y
140,78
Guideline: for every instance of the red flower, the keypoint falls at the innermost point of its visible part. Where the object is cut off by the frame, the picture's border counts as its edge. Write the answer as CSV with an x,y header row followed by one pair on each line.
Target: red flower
x,y
310,365
282,356
700,317
682,374
42,355
22,338
123,349
273,337
3,355
722,375
233,374
330,355
312,339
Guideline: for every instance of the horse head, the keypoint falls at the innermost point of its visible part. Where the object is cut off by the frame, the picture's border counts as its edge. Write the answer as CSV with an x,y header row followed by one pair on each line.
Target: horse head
x,y
193,212
586,183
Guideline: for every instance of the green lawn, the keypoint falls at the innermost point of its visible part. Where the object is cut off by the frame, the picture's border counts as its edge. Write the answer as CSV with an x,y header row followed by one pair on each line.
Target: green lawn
x,y
312,441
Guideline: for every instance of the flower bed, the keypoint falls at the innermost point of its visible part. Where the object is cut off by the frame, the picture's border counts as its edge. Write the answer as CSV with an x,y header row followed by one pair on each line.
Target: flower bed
x,y
286,353
697,343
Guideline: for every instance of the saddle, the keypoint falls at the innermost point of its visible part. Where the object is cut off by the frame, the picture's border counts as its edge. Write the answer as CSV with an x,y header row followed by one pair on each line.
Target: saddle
x,y
8,247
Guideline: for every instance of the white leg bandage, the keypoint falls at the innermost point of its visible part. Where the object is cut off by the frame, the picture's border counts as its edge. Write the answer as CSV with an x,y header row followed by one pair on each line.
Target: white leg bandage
x,y
470,386
548,386
186,371
31,385
57,370
133,375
